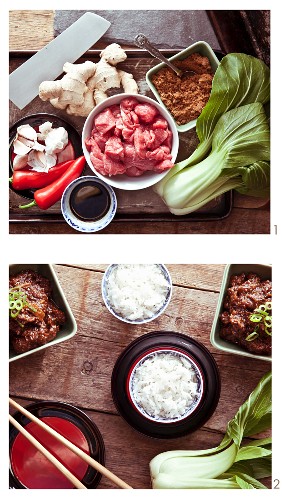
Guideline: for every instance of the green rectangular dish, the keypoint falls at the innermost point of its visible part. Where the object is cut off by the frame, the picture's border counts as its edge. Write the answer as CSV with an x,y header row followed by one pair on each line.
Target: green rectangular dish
x,y
70,327
202,48
264,271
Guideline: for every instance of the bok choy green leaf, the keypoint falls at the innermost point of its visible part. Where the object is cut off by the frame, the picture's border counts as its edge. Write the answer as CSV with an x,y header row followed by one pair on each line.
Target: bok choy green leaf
x,y
239,159
229,465
239,80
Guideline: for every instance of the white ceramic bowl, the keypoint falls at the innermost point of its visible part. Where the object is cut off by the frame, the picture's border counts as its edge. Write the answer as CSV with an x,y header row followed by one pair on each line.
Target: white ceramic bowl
x,y
124,181
87,226
107,273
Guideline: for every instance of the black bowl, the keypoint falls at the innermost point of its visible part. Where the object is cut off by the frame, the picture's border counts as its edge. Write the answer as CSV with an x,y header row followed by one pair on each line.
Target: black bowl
x,y
35,121
68,412
173,341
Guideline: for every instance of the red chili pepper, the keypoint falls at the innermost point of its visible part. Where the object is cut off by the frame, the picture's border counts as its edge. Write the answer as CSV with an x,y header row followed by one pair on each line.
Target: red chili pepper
x,y
28,179
46,197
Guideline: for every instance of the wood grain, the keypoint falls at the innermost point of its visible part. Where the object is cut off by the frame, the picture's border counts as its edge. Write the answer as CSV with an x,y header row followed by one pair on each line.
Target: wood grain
x,y
30,29
78,371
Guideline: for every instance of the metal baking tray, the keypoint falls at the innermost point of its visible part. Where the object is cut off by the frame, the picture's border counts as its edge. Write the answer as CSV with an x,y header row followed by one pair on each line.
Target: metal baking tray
x,y
138,206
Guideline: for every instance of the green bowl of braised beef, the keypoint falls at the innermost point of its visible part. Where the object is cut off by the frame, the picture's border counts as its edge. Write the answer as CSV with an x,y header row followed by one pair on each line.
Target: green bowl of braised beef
x,y
242,323
45,317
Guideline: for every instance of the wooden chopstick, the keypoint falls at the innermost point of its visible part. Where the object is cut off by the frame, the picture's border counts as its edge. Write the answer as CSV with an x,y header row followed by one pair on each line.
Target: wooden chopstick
x,y
93,463
47,454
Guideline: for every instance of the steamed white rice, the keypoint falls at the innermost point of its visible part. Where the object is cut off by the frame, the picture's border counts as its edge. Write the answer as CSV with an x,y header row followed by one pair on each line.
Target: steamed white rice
x,y
165,386
137,291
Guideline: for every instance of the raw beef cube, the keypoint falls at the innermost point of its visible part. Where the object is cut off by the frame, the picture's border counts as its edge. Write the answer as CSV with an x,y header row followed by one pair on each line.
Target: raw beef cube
x,y
139,143
129,119
98,164
134,172
168,141
114,148
128,103
88,143
160,122
115,109
128,134
146,112
95,150
119,127
113,167
159,154
149,137
100,138
105,121
160,136
164,165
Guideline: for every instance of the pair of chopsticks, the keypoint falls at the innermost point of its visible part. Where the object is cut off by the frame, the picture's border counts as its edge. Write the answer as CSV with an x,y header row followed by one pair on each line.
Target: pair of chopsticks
x,y
89,460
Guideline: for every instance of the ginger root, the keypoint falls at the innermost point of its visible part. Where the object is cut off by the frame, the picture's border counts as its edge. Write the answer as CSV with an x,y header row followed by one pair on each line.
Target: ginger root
x,y
85,85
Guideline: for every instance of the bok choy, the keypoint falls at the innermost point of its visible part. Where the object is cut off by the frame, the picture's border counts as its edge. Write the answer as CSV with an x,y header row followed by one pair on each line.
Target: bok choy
x,y
229,465
240,80
239,159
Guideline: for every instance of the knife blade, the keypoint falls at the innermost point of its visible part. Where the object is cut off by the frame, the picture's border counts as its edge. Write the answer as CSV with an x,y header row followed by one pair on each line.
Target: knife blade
x,y
47,63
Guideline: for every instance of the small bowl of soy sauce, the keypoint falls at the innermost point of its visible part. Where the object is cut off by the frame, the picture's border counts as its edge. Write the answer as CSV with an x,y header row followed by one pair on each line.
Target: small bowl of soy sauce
x,y
88,204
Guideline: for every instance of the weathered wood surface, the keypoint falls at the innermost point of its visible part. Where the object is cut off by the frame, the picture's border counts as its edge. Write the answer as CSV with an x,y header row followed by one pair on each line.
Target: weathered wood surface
x,y
78,371
32,30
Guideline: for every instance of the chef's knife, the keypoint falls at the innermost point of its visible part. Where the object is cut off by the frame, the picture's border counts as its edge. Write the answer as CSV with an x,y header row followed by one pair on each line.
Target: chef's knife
x,y
47,63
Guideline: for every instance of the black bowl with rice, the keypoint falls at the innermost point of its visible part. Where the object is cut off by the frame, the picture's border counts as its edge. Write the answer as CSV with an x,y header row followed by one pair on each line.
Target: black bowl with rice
x,y
165,384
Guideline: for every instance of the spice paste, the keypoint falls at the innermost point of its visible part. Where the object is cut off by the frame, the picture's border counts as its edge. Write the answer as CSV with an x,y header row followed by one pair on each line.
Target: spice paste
x,y
245,295
185,97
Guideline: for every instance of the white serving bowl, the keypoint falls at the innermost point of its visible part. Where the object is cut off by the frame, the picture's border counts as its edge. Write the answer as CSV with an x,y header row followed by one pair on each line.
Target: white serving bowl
x,y
117,315
124,181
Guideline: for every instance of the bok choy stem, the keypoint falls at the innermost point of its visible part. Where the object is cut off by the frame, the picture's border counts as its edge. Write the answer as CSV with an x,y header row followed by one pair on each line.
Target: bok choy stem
x,y
229,465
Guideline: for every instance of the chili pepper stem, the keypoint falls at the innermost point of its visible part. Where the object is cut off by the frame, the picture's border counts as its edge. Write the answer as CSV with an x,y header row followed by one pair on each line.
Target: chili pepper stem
x,y
11,179
32,204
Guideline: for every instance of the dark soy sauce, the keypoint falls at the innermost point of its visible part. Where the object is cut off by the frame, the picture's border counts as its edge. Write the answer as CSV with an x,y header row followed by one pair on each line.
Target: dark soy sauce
x,y
90,201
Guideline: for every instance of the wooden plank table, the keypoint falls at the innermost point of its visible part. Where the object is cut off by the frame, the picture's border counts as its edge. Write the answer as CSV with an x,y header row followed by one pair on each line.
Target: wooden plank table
x,y
78,371
31,30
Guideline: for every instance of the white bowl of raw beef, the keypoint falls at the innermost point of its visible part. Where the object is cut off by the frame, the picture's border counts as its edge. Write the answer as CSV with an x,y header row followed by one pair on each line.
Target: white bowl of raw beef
x,y
158,147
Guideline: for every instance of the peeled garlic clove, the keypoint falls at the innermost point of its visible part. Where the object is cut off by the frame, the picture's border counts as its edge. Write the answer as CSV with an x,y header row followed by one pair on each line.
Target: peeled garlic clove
x,y
50,160
44,129
27,132
39,161
26,142
56,140
34,161
20,148
38,147
20,161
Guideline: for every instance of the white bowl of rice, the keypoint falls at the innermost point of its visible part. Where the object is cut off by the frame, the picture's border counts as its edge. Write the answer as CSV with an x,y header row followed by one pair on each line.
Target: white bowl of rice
x,y
165,385
136,293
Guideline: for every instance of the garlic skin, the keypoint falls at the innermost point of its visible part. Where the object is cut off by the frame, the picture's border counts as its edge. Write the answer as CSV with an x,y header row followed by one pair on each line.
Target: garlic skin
x,y
56,140
20,161
39,161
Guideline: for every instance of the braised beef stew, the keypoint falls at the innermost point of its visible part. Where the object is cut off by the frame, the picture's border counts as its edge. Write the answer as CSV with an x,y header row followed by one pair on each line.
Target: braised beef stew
x,y
247,315
34,318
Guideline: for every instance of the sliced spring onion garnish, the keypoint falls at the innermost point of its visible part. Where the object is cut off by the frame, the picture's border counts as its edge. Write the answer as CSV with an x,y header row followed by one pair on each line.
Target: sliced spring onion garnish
x,y
268,321
267,331
256,318
252,336
260,314
18,300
